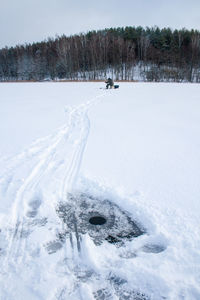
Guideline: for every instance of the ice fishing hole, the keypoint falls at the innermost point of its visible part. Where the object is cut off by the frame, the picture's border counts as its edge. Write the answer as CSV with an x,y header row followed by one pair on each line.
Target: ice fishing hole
x,y
97,220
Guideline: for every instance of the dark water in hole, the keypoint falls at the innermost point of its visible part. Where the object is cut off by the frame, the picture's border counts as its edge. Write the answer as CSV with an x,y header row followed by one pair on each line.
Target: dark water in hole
x,y
97,220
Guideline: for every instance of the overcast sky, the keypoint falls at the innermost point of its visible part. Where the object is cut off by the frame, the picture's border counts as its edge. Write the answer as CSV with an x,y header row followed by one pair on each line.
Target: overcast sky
x,y
25,21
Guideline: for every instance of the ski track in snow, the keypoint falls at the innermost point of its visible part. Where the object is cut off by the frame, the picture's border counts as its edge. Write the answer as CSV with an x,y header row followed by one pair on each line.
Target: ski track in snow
x,y
51,163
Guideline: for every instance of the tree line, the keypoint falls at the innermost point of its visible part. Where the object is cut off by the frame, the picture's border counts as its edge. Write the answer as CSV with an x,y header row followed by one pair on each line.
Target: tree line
x,y
127,53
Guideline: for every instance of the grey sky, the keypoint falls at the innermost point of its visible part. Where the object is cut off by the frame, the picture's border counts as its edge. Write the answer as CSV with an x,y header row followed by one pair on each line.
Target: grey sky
x,y
24,21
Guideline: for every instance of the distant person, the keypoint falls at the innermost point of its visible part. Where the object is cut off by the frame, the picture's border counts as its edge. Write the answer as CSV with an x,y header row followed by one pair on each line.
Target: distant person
x,y
109,83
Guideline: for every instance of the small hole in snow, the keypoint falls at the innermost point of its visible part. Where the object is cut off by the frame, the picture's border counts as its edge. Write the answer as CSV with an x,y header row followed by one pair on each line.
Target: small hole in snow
x,y
97,220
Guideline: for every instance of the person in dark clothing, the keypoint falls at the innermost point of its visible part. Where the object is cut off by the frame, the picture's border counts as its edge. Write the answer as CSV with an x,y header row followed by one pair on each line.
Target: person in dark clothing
x,y
109,83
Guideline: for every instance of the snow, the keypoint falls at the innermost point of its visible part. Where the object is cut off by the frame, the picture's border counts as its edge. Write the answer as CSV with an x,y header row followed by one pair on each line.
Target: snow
x,y
134,152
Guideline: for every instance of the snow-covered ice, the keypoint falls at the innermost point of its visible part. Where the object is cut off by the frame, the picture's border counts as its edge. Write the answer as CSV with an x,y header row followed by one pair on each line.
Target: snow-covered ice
x,y
72,151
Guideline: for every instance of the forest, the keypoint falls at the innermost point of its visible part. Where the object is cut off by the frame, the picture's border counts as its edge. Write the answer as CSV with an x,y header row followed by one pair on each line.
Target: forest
x,y
127,53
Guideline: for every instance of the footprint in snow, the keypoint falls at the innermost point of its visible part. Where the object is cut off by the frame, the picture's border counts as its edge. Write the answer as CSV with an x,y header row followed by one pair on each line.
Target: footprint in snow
x,y
33,208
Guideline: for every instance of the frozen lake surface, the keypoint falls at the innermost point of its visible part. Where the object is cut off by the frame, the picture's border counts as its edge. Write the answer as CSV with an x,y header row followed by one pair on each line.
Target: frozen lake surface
x,y
99,191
